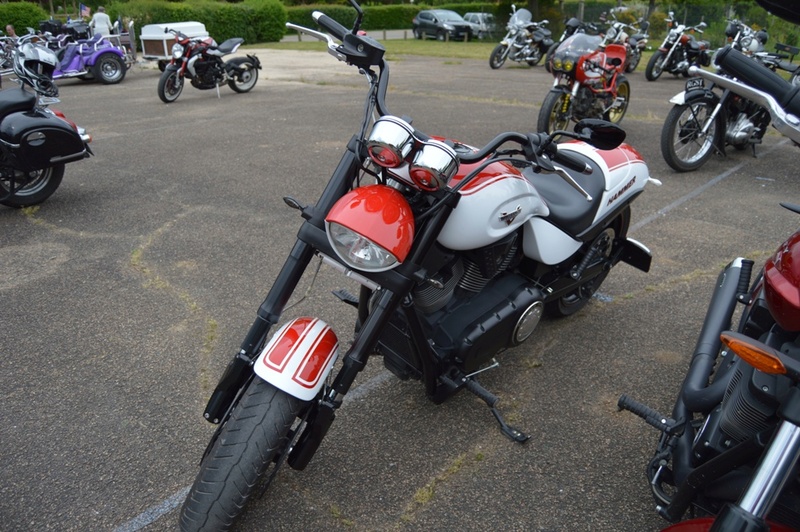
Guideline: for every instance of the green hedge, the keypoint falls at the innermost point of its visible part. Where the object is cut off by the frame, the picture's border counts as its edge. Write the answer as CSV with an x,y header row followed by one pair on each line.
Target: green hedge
x,y
255,21
21,15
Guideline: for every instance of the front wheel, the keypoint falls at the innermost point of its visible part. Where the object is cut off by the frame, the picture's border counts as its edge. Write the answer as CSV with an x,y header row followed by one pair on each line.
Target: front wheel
x,y
498,56
36,187
620,104
684,144
555,113
170,86
655,66
109,69
257,430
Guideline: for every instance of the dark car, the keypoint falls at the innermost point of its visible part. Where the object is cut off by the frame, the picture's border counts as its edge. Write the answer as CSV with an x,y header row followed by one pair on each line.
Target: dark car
x,y
441,24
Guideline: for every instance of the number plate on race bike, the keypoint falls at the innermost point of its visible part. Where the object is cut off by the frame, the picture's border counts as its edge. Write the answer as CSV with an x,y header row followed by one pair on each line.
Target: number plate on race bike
x,y
694,83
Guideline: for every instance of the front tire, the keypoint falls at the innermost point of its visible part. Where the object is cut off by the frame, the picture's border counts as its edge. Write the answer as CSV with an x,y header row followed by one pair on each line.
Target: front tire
x,y
683,144
256,432
552,115
498,56
170,86
655,67
40,186
245,79
615,114
109,69
574,301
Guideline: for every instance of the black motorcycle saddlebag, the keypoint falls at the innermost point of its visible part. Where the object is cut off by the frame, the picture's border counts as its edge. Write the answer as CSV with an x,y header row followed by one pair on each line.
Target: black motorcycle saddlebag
x,y
34,140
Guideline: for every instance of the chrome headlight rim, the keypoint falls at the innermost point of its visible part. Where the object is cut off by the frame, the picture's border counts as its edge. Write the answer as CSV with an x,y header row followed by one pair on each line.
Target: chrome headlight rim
x,y
390,141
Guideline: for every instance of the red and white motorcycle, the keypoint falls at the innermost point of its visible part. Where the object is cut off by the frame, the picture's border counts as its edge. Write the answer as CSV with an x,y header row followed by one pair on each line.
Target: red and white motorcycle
x,y
458,252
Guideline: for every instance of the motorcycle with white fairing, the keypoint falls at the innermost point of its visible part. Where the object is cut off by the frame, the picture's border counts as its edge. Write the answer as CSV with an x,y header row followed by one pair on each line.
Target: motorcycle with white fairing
x,y
454,253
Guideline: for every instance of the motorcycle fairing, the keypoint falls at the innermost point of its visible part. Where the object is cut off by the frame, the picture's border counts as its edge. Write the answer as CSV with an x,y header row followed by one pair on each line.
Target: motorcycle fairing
x,y
298,357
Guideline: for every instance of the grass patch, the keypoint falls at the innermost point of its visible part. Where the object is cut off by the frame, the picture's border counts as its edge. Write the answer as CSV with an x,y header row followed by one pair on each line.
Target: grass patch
x,y
399,47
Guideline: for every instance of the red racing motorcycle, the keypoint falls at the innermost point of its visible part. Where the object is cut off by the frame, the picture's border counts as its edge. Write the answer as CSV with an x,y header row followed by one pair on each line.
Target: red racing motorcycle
x,y
453,254
589,82
200,60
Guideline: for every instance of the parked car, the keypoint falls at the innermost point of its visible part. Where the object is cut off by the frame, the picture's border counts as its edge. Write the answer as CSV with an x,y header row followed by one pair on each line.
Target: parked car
x,y
441,24
483,24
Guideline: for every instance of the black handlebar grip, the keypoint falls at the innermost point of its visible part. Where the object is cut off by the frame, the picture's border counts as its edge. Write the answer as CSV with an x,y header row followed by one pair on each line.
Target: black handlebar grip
x,y
330,25
573,162
758,76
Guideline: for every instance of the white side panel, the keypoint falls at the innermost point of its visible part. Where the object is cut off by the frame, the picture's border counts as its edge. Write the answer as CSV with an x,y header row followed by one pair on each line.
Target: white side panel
x,y
544,242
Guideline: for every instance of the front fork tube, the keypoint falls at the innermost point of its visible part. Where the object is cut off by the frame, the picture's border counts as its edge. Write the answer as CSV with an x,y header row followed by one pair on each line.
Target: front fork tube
x,y
239,369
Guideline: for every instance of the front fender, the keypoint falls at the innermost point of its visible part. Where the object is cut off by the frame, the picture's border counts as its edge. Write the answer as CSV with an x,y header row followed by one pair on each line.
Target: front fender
x,y
693,96
299,357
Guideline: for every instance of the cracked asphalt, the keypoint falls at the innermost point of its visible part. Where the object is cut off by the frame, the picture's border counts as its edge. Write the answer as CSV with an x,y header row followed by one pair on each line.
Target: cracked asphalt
x,y
123,297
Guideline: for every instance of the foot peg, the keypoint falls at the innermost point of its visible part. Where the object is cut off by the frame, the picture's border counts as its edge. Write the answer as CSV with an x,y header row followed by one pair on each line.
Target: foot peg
x,y
346,297
652,417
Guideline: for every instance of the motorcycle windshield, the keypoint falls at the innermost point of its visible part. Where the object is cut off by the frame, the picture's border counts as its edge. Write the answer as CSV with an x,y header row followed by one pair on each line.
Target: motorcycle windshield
x,y
578,45
521,17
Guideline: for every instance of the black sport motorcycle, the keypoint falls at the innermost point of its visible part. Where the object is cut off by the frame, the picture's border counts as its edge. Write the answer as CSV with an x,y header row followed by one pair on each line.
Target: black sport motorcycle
x,y
731,446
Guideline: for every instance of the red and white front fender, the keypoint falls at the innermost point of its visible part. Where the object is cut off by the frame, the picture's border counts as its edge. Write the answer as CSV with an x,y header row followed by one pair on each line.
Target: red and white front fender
x,y
299,357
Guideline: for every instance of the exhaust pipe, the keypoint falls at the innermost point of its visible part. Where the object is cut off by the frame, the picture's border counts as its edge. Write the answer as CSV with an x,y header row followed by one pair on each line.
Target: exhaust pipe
x,y
697,394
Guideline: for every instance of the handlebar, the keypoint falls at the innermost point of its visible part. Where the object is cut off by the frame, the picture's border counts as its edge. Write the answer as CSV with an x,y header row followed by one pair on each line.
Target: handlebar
x,y
760,85
330,25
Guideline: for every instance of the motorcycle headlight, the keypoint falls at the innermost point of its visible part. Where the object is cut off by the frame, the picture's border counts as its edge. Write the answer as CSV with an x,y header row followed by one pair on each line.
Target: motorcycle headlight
x,y
177,51
557,63
568,65
371,228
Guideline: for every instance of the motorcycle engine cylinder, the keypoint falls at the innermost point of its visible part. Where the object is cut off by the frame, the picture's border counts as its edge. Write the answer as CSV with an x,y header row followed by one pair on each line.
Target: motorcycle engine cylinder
x,y
740,131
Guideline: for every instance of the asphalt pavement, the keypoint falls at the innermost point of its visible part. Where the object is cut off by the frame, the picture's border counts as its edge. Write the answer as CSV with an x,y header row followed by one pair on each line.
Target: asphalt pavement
x,y
125,294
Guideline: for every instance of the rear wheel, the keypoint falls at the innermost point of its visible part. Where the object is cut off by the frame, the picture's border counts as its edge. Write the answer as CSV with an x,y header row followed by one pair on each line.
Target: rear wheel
x,y
536,56
617,111
555,113
575,300
257,431
109,68
498,56
245,77
684,145
38,186
170,86
633,61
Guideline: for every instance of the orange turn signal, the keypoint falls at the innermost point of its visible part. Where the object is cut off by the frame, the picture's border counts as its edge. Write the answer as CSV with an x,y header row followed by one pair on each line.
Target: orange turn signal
x,y
754,353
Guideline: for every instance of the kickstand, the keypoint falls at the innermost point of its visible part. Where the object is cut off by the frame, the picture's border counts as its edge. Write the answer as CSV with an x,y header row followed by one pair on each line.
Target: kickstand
x,y
491,400
218,96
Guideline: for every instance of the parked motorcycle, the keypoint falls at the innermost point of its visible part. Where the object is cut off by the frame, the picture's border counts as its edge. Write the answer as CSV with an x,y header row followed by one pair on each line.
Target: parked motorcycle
x,y
36,141
704,119
635,42
200,60
679,51
458,252
93,58
571,27
732,444
744,38
525,41
589,83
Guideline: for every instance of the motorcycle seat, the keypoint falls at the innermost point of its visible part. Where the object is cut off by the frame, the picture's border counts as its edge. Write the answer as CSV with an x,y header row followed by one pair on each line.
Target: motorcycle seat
x,y
569,210
13,101
226,47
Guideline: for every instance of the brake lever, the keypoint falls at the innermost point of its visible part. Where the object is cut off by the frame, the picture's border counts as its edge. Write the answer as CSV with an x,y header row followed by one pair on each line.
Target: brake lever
x,y
332,45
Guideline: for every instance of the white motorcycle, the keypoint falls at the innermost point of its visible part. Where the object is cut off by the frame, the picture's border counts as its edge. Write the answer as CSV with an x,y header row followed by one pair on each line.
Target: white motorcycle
x,y
457,253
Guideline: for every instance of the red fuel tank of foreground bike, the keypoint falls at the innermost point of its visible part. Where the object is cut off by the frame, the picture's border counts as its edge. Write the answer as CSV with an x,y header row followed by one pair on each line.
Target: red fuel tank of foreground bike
x,y
782,284
37,139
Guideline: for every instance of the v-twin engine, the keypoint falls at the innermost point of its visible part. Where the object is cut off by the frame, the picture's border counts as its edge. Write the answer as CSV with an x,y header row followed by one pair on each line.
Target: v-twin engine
x,y
475,308
740,130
